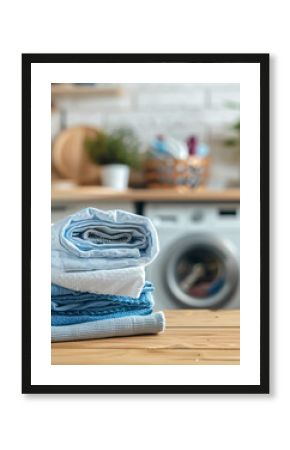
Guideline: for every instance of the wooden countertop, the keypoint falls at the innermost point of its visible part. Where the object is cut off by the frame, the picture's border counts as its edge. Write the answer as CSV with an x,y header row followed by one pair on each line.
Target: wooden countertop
x,y
196,337
98,193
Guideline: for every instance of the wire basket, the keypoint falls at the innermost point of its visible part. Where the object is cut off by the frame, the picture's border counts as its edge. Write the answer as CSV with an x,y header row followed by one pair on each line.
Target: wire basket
x,y
171,172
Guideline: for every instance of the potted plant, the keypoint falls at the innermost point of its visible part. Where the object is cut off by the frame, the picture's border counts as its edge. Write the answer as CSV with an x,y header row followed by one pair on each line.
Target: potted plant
x,y
233,142
116,153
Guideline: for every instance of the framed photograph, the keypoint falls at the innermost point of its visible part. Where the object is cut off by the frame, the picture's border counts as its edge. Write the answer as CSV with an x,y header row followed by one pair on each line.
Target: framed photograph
x,y
145,218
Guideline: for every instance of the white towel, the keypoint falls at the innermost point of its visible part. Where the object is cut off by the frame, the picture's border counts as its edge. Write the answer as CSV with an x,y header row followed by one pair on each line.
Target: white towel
x,y
127,282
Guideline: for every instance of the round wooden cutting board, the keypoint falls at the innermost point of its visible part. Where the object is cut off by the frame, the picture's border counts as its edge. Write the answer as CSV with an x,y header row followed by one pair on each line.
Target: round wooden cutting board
x,y
70,158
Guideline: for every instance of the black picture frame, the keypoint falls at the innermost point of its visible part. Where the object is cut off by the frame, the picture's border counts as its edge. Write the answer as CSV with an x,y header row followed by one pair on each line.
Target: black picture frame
x,y
263,61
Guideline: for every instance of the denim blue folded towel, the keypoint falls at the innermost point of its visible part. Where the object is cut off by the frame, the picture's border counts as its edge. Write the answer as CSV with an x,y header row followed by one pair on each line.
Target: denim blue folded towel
x,y
122,326
92,239
71,307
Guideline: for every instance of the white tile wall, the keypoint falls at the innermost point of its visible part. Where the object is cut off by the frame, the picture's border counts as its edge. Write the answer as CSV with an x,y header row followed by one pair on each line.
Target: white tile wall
x,y
159,101
224,95
74,117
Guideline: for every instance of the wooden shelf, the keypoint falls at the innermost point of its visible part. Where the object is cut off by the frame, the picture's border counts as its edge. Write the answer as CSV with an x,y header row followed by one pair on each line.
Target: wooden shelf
x,y
98,193
71,89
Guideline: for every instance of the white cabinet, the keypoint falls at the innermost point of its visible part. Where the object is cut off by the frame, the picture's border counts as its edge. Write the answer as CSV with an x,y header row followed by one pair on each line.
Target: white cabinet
x,y
60,210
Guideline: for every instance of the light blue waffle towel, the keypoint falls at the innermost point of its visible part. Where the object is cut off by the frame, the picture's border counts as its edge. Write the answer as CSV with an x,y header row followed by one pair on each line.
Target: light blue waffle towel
x,y
123,326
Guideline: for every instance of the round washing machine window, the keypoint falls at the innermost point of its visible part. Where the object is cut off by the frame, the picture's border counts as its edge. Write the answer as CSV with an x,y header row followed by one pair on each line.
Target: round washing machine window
x,y
202,271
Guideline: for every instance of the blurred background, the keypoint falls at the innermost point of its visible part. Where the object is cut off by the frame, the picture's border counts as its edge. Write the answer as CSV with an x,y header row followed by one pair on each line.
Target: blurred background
x,y
168,151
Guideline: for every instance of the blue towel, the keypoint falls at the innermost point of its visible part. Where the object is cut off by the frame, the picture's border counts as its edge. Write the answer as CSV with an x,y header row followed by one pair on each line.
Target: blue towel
x,y
72,307
92,239
124,326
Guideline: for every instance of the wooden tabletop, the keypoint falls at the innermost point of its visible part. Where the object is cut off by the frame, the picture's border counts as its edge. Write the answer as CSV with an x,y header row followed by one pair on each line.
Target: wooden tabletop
x,y
191,337
90,193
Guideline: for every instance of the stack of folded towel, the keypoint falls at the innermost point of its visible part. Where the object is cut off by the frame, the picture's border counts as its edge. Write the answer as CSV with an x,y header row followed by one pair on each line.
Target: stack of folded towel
x,y
98,276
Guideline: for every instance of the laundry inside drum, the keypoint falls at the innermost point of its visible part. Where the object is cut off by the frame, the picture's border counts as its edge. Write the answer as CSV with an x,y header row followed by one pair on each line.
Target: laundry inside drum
x,y
200,272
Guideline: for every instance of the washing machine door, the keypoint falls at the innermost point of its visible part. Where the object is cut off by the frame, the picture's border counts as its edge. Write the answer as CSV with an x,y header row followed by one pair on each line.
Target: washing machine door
x,y
202,271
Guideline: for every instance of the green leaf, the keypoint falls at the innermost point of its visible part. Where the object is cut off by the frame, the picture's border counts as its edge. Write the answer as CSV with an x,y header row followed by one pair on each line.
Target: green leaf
x,y
119,147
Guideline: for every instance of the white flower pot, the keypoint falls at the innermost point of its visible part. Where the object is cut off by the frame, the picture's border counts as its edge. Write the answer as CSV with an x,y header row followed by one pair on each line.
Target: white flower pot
x,y
115,176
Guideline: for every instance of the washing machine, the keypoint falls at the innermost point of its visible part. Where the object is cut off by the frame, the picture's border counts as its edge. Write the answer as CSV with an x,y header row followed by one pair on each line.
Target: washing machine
x,y
199,261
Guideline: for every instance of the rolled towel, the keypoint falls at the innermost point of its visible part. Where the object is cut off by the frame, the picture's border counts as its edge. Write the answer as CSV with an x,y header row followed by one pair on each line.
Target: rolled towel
x,y
72,307
92,239
124,326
